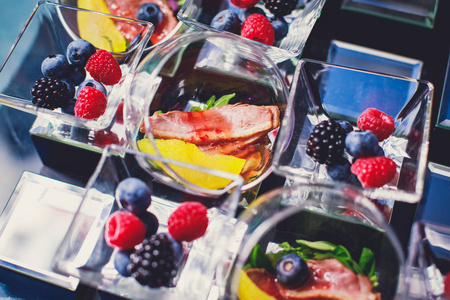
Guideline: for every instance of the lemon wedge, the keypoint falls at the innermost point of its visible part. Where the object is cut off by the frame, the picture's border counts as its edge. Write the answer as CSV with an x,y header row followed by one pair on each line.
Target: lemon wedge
x,y
99,30
248,290
189,153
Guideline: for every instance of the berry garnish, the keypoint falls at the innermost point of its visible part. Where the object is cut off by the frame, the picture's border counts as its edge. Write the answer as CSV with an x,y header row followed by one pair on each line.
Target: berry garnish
x,y
381,124
258,28
374,172
346,125
447,285
92,83
150,222
104,68
134,195
124,230
150,12
280,8
361,143
50,93
292,270
281,28
155,262
244,3
76,74
326,142
339,170
70,87
119,113
103,138
121,261
254,10
188,222
79,51
227,20
54,66
91,103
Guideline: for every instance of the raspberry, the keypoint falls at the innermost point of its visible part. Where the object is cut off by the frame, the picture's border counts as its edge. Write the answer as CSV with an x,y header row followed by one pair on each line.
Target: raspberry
x,y
381,124
244,3
103,138
447,285
280,8
124,230
91,103
188,222
104,68
258,28
374,172
119,113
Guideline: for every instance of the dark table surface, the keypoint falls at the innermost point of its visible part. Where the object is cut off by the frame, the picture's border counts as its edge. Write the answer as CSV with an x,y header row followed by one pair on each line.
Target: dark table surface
x,y
431,46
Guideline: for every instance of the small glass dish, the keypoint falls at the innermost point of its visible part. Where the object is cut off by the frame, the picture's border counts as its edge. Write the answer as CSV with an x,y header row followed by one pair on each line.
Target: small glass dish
x,y
201,78
428,262
417,12
84,253
198,14
322,91
314,215
49,30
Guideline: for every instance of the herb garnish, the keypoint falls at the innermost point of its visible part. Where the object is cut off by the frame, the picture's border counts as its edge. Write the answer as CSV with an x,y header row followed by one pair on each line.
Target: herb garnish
x,y
212,102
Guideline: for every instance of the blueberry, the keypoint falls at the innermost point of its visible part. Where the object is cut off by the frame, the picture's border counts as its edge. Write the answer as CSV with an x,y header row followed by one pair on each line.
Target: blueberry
x,y
121,262
70,86
292,270
379,151
69,108
92,83
54,66
134,195
150,221
177,249
76,74
281,28
254,10
340,170
79,51
150,12
361,143
347,126
227,20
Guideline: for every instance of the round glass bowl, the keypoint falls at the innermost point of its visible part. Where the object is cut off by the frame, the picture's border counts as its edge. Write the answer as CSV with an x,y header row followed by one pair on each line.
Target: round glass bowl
x,y
304,220
210,99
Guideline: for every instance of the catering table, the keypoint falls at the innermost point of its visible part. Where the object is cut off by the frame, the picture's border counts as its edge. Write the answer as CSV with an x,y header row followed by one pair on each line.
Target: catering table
x,y
429,45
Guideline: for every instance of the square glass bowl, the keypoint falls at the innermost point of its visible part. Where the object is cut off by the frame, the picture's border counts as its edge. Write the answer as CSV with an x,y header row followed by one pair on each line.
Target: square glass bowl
x,y
49,30
322,91
427,263
84,253
278,219
198,14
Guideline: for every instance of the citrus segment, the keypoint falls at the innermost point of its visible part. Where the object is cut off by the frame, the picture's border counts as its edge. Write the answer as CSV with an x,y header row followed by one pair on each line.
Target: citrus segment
x,y
98,29
189,153
248,290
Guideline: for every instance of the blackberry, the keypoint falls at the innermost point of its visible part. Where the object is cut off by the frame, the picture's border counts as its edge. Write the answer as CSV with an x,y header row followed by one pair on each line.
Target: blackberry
x,y
280,8
155,263
326,143
50,93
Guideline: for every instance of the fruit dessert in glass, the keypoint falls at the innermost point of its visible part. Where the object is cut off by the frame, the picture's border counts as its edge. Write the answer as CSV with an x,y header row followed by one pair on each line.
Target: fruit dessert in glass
x,y
66,58
280,27
353,127
149,240
209,99
296,243
161,13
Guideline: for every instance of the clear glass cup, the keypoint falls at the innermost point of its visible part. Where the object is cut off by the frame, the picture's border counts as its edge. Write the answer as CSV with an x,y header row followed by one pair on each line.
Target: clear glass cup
x,y
49,30
187,73
311,212
427,263
322,91
84,254
198,14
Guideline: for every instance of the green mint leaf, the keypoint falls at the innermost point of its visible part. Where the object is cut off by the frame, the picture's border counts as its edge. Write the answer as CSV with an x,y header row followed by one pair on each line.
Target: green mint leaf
x,y
195,108
210,102
259,259
224,100
319,245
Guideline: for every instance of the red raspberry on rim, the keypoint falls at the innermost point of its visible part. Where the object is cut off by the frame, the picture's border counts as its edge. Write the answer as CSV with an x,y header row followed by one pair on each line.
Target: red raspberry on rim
x,y
381,124
91,103
258,28
188,222
244,3
104,68
447,285
124,230
374,172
